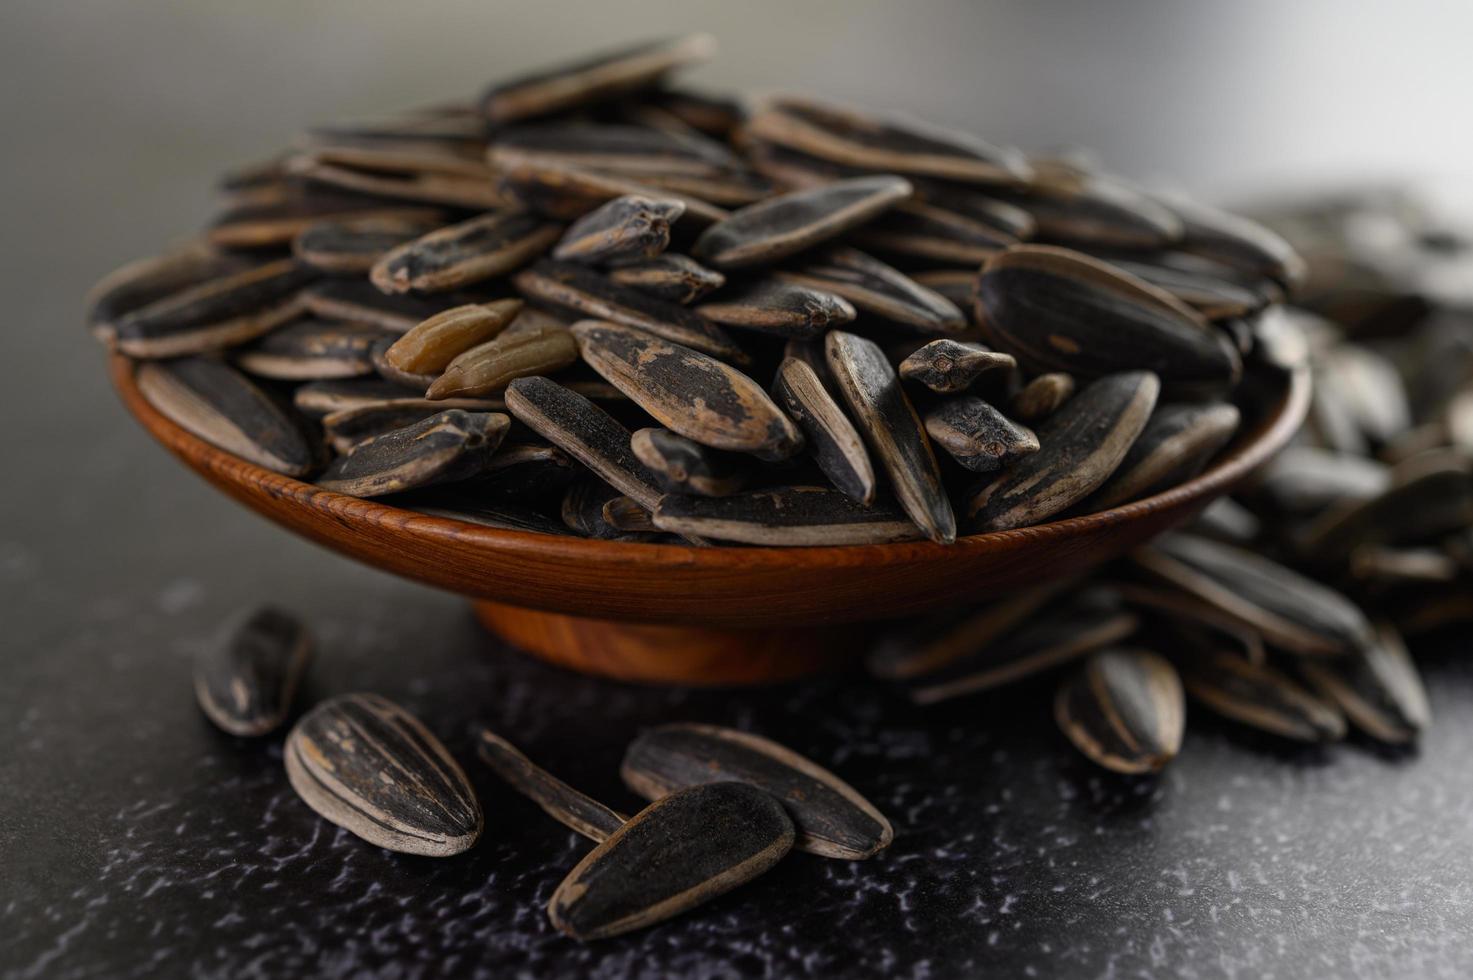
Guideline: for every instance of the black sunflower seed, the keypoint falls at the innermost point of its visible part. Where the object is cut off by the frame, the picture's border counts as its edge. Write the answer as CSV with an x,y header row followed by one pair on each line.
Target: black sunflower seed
x,y
790,516
352,245
623,514
216,402
346,428
475,193
775,306
358,301
1429,496
684,466
310,350
1208,290
146,281
1092,210
502,516
1175,444
883,414
949,366
1082,444
957,286
874,287
672,277
625,229
317,399
978,436
1237,242
923,232
713,115
638,152
564,193
449,446
457,255
582,512
272,222
831,818
246,679
1125,710
578,812
832,439
1377,687
370,767
1261,697
1043,396
1304,480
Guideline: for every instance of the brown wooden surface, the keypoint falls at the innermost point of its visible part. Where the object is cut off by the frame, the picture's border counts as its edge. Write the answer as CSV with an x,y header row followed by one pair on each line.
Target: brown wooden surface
x,y
720,588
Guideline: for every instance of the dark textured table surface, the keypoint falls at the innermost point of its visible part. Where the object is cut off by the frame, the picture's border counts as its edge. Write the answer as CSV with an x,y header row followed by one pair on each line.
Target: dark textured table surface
x,y
136,841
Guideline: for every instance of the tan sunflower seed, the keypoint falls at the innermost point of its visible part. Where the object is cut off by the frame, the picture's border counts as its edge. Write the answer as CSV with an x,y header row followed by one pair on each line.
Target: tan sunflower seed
x,y
443,448
346,429
1042,396
490,245
367,765
584,431
832,439
673,855
781,226
874,287
245,680
1175,444
787,516
379,355
593,80
1059,310
430,346
352,245
978,436
775,306
578,812
1377,565
214,314
688,392
684,466
1125,710
1082,444
574,287
831,818
1377,687
625,229
672,277
491,366
216,402
1261,697
883,414
312,350
949,366
623,514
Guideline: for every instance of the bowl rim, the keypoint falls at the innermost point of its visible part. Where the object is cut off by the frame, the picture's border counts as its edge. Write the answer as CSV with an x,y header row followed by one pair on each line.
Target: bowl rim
x,y
1246,455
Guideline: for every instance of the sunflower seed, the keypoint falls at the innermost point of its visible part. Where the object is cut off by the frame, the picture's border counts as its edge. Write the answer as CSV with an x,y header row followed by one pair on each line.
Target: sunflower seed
x,y
318,399
427,187
214,401
1125,710
1208,290
576,288
1175,444
309,350
1370,388
978,436
1183,612
713,115
949,366
346,429
831,818
583,512
890,426
352,246
625,229
1043,396
637,151
1379,565
593,80
214,314
789,516
578,812
565,193
272,222
694,395
888,143
1290,610
671,277
828,433
1304,480
1236,241
379,355
490,245
490,367
774,306
430,346
673,855
957,286
584,431
1082,444
683,466
246,679
146,281
529,471
922,232
1260,697
874,287
781,226
623,514
1064,311
367,765
1092,210
358,301
449,446
1377,687
1417,506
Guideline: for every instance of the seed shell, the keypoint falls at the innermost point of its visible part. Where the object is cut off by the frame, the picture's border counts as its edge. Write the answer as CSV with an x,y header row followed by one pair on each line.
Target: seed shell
x,y
672,277
784,516
430,346
920,232
683,466
352,245
949,366
874,287
831,438
1043,396
493,244
578,812
625,229
449,446
490,367
1377,687
146,281
346,429
359,301
367,765
318,399
565,193
1261,697
312,350
246,679
978,436
779,307
1175,444
1125,710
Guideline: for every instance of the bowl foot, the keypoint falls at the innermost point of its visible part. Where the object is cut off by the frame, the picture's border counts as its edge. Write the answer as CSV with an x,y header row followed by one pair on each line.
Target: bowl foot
x,y
650,654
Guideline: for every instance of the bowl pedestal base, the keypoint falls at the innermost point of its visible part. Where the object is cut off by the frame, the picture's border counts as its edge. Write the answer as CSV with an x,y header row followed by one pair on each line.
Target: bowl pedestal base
x,y
661,654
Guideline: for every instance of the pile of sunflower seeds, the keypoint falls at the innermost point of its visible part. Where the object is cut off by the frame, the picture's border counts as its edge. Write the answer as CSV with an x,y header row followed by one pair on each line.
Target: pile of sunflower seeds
x,y
1285,607
725,805
594,303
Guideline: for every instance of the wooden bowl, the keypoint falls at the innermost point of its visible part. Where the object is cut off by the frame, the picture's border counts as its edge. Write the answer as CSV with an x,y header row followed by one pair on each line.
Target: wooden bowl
x,y
727,615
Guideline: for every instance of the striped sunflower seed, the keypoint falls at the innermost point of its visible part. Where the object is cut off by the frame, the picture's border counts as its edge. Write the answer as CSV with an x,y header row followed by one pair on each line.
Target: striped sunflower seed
x,y
474,193
491,366
311,350
449,446
623,514
672,277
683,466
1175,444
673,855
636,151
146,281
272,222
1429,496
564,193
921,232
773,229
1125,710
1304,480
359,301
457,255
831,438
367,765
831,818
246,679
787,516
429,347
351,246
1261,697
957,286
1205,286
344,430
318,399
948,366
625,229
874,287
1092,210
583,512
1377,687
892,429
1042,396
713,115
1236,241
775,306
1082,444
216,402
578,812
688,392
978,436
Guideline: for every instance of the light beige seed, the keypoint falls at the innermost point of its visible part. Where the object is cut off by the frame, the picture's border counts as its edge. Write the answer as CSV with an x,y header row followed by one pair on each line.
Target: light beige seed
x,y
430,346
491,366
